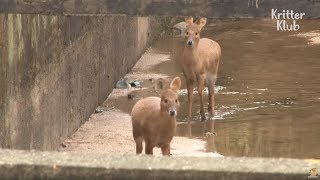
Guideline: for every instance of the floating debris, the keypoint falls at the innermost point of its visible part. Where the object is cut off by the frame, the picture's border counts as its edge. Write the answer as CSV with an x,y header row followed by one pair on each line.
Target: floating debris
x,y
249,42
262,102
266,89
99,109
217,89
136,84
251,108
231,92
123,84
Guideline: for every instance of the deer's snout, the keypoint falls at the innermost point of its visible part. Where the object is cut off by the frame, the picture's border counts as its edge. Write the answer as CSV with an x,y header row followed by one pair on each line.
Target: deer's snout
x,y
172,112
190,42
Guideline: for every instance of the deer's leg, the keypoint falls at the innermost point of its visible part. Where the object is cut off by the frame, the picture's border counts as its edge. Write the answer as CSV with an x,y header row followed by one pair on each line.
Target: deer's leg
x,y
149,148
165,149
209,126
139,146
210,122
190,97
211,101
137,136
200,91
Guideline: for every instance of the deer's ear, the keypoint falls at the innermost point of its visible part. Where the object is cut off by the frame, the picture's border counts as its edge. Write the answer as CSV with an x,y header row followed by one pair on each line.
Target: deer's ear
x,y
188,20
201,22
175,84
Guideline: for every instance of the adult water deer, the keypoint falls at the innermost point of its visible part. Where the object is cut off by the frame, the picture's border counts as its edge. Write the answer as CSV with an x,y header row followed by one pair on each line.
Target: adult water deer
x,y
154,120
200,62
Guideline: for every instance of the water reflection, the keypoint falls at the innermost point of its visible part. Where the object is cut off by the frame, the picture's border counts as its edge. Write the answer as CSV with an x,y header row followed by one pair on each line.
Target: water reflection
x,y
273,89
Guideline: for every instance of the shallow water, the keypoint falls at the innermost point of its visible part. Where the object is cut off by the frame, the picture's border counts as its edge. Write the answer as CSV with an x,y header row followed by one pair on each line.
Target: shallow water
x,y
268,103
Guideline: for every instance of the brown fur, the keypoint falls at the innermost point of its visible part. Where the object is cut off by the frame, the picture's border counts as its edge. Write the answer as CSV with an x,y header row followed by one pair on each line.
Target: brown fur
x,y
200,63
152,122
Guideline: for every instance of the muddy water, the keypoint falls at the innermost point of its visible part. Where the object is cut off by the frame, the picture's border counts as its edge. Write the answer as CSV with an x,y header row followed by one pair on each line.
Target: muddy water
x,y
268,103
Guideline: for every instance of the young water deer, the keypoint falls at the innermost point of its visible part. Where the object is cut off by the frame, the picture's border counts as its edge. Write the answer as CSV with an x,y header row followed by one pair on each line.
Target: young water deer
x,y
200,62
154,120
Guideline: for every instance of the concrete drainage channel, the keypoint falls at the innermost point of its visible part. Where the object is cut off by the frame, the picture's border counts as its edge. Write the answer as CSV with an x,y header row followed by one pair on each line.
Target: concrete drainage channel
x,y
43,47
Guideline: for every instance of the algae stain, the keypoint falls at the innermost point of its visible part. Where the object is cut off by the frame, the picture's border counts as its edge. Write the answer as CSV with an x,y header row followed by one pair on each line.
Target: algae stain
x,y
12,120
253,3
10,35
21,40
38,20
54,22
55,37
34,28
19,24
14,33
44,21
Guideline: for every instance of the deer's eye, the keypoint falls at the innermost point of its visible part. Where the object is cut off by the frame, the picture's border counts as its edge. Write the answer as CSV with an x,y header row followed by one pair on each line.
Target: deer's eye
x,y
196,33
165,100
187,33
176,100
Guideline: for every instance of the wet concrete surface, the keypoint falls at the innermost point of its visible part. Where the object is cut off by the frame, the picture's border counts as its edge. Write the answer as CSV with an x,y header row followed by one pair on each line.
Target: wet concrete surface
x,y
56,165
268,93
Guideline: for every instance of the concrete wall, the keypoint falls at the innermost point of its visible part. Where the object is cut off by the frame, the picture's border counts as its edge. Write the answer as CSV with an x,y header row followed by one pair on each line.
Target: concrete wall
x,y
55,70
52,165
207,8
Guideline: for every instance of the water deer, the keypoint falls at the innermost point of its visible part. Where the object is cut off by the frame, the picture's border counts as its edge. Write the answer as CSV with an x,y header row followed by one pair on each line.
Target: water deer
x,y
154,120
200,62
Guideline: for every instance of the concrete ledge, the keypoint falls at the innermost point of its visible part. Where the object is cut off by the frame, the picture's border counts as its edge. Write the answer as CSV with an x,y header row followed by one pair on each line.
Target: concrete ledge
x,y
54,165
208,8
